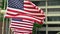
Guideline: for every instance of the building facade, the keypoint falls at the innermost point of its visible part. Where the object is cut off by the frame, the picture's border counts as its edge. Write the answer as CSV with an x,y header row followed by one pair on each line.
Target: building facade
x,y
52,21
52,11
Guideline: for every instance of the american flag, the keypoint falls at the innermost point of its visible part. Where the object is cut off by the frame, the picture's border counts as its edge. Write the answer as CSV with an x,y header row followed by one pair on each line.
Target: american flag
x,y
26,12
24,9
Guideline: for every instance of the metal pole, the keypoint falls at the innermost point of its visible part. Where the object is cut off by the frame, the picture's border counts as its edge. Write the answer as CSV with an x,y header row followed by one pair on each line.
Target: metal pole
x,y
7,26
3,26
46,19
0,15
11,32
3,17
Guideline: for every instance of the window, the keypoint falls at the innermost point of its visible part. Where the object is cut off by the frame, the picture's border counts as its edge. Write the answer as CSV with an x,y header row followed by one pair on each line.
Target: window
x,y
54,18
53,10
39,3
53,2
53,32
53,25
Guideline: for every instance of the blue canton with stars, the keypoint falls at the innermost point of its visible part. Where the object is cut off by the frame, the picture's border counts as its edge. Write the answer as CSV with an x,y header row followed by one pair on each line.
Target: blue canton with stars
x,y
17,4
17,19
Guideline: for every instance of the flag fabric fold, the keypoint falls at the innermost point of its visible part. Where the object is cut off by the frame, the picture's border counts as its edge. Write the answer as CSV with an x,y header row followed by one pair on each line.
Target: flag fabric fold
x,y
24,9
19,25
23,14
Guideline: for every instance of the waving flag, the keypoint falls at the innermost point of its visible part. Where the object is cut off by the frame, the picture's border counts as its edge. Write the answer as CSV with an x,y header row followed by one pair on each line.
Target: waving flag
x,y
23,14
24,9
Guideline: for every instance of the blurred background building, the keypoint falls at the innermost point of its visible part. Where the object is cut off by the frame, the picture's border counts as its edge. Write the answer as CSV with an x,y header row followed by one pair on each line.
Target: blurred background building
x,y
52,21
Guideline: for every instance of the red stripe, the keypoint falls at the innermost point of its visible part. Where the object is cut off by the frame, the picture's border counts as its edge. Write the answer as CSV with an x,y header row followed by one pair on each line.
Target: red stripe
x,y
21,26
29,7
21,32
27,3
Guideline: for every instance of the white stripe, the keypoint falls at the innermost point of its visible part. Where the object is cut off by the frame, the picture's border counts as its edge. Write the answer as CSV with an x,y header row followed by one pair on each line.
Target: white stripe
x,y
15,21
28,20
12,12
28,5
26,1
20,33
21,25
17,33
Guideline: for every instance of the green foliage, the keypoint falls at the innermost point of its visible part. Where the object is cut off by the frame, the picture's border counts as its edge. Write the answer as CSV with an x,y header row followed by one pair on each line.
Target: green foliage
x,y
36,26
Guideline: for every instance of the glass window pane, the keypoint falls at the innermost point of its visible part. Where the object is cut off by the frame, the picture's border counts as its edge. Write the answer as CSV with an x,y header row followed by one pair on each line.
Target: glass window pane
x,y
54,18
53,11
53,2
39,3
44,25
53,25
53,32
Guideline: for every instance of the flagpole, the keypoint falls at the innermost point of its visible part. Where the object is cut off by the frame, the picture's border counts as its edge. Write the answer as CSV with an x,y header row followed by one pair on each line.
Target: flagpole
x,y
3,18
9,27
46,18
3,26
0,14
